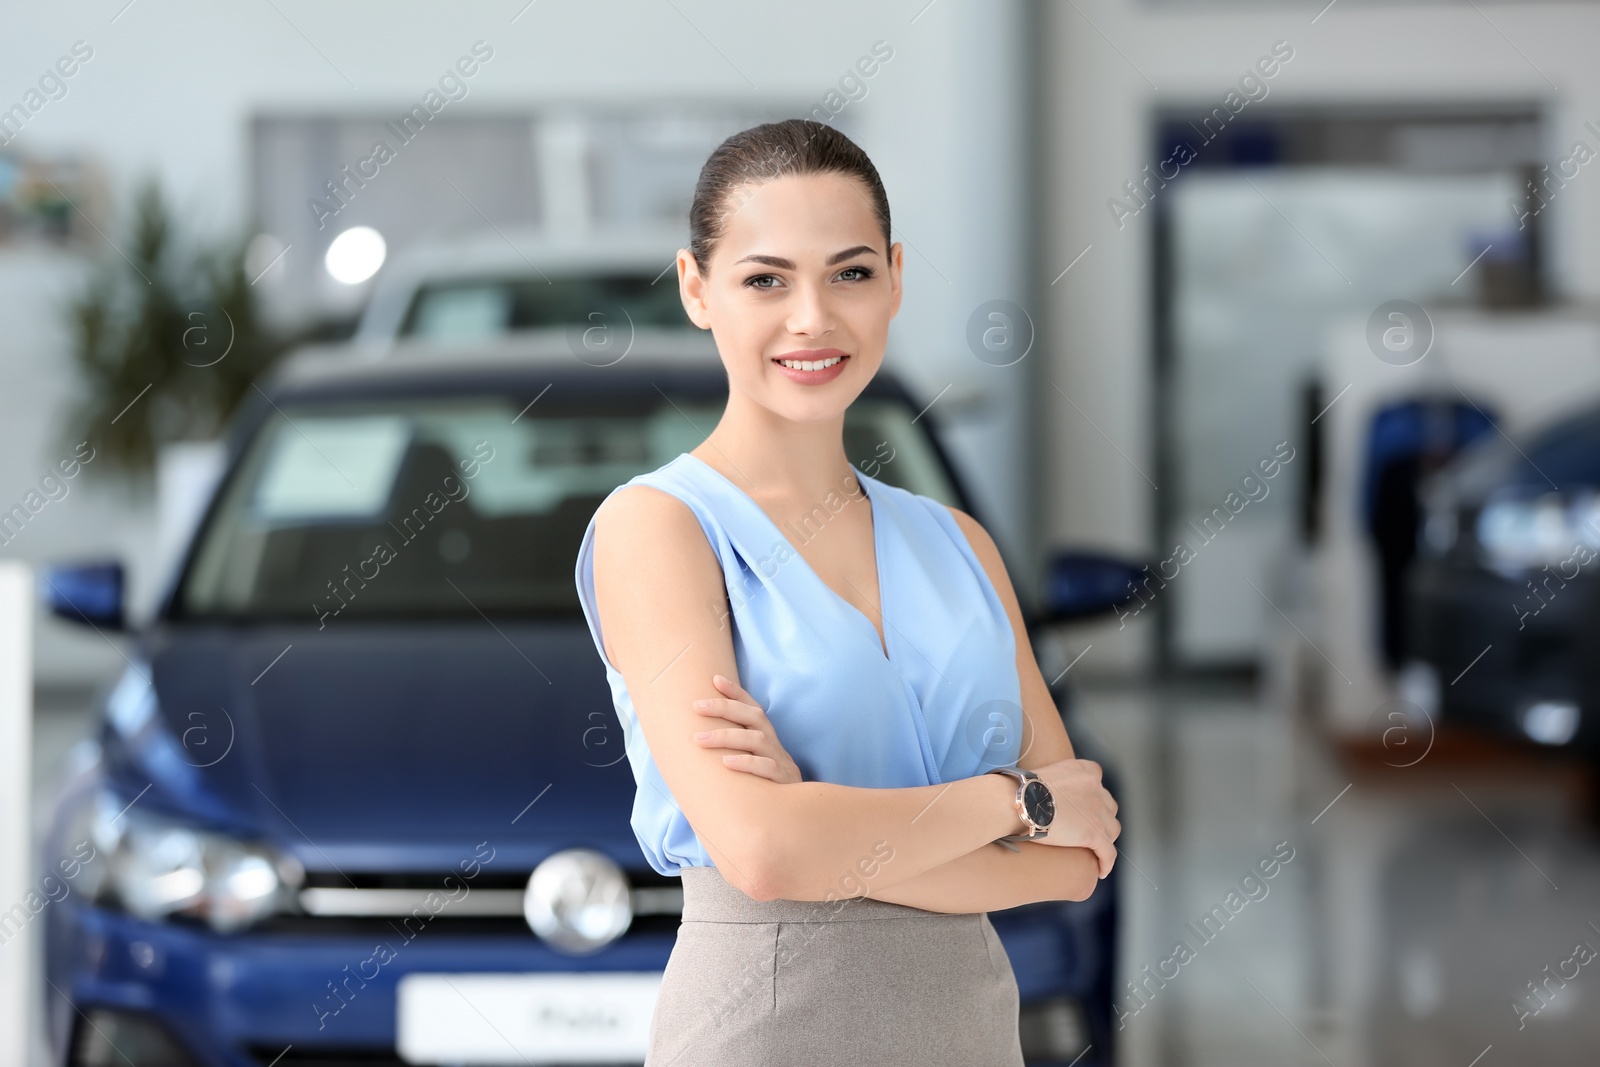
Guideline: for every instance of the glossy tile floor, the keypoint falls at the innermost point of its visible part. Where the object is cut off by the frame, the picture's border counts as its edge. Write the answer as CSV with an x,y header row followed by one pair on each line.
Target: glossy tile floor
x,y
58,723
1408,910
1419,904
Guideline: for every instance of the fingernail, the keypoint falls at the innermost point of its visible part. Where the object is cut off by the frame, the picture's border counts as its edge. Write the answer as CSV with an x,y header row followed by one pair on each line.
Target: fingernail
x,y
718,678
702,735
702,703
729,759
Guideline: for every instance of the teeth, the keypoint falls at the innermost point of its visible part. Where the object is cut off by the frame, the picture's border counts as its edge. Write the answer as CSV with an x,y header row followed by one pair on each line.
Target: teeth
x,y
808,365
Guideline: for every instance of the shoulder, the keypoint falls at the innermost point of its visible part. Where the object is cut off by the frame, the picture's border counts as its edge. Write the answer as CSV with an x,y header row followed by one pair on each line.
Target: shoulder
x,y
660,496
652,561
645,520
640,500
983,545
988,553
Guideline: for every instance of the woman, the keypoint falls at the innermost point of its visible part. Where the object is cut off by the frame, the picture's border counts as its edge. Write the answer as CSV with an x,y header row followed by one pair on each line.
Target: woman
x,y
832,817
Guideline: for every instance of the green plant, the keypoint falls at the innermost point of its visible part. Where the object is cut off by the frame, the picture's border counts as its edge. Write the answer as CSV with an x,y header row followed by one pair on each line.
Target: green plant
x,y
168,339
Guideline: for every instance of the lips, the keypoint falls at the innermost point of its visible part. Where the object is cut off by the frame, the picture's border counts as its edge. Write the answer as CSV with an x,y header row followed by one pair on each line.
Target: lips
x,y
811,355
835,359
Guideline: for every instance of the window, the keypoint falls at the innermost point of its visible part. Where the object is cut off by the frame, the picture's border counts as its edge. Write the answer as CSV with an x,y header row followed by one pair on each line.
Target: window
x,y
448,506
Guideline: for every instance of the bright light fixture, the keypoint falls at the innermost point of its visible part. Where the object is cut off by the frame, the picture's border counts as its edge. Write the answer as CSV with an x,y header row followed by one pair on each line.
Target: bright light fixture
x,y
355,255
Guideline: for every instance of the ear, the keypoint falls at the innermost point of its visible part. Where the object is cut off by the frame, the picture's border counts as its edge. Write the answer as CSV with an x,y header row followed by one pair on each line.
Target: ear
x,y
896,263
692,289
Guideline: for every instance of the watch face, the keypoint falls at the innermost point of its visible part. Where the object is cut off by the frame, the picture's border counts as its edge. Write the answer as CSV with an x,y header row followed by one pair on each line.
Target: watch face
x,y
1040,804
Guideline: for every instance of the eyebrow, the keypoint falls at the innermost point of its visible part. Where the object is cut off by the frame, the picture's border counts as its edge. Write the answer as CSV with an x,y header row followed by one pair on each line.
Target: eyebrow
x,y
784,264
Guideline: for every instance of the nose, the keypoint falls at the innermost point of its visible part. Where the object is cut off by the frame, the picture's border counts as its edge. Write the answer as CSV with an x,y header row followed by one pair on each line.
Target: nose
x,y
810,314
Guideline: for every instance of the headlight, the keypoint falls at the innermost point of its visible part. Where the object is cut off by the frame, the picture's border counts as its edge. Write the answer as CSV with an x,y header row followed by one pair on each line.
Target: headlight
x,y
578,900
1551,722
1518,534
158,867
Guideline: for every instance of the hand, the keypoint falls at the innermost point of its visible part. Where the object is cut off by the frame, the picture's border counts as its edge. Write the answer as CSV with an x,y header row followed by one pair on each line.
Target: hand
x,y
1085,812
759,752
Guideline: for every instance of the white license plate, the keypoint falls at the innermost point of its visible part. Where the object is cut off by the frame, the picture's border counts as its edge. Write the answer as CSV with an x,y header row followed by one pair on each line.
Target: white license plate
x,y
596,1017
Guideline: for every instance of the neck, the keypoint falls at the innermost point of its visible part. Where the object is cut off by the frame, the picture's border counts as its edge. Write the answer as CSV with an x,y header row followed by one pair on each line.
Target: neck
x,y
769,456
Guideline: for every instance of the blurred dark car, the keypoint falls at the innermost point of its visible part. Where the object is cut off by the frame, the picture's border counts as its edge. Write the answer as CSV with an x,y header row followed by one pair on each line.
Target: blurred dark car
x,y
360,795
1503,599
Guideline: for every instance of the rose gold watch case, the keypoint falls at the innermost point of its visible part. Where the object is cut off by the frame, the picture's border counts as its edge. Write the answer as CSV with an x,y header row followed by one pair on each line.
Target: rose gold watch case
x,y
1023,777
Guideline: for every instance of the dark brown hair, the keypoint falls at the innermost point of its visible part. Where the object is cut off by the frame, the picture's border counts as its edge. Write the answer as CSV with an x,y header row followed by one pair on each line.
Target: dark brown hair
x,y
775,150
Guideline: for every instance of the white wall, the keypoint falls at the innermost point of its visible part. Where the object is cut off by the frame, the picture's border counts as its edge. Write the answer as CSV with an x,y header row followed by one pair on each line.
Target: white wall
x,y
1112,63
171,86
16,827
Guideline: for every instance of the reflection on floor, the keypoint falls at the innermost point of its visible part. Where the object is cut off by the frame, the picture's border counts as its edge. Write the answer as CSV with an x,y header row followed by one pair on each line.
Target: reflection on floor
x,y
59,722
1428,906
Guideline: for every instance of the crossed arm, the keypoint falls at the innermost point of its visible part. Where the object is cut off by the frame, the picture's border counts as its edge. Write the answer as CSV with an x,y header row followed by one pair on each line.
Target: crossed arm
x,y
658,589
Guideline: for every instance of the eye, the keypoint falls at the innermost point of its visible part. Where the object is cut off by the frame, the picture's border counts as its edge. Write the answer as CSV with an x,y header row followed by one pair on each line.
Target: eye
x,y
751,282
863,273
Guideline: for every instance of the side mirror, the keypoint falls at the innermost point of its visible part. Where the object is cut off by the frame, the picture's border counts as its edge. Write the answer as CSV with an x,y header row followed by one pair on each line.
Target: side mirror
x,y
1082,585
85,593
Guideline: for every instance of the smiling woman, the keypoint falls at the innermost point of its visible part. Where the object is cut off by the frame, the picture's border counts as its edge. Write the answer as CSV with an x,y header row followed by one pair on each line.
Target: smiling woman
x,y
817,772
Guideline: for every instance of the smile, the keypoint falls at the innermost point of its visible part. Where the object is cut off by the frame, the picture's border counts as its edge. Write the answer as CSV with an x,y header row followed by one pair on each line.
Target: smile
x,y
810,365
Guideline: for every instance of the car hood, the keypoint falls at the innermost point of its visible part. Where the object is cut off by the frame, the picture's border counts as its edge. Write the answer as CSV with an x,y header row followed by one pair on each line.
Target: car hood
x,y
383,746
1563,456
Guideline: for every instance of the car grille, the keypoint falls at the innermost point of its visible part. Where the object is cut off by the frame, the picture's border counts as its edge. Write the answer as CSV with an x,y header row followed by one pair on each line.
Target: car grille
x,y
377,903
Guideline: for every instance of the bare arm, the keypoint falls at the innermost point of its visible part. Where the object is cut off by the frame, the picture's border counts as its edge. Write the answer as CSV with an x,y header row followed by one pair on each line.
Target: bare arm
x,y
660,595
991,878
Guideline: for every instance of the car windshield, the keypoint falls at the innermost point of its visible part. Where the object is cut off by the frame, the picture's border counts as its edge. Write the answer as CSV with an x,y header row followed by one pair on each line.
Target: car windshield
x,y
455,506
467,309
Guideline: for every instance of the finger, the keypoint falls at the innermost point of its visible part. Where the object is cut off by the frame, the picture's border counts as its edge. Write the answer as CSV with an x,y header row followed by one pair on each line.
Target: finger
x,y
745,740
1108,828
760,766
733,689
1106,852
732,710
749,711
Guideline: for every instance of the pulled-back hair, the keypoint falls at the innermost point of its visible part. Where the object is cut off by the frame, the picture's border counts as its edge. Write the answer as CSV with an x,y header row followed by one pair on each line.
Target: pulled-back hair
x,y
774,150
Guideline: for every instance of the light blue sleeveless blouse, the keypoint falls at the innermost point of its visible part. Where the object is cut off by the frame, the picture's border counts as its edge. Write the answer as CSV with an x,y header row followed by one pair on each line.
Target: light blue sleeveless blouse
x,y
945,704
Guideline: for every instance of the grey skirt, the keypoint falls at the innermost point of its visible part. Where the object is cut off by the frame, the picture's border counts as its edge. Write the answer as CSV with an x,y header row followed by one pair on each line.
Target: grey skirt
x,y
814,983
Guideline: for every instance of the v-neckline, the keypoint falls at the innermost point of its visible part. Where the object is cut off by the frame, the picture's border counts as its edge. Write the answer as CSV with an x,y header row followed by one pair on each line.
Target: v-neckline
x,y
880,640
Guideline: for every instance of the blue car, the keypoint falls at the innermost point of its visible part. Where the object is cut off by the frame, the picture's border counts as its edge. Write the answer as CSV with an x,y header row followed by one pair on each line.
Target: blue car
x,y
1503,592
360,794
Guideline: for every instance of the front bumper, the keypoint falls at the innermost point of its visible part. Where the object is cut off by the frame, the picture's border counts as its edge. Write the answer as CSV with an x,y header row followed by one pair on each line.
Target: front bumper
x,y
311,998
245,1000
1498,649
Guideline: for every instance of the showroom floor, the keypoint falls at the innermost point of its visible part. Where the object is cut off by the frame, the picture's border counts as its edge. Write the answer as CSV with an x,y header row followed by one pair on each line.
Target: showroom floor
x,y
59,722
1407,911
1418,904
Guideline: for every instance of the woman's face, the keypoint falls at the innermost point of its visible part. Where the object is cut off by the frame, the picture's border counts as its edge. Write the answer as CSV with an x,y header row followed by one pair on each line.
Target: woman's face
x,y
800,273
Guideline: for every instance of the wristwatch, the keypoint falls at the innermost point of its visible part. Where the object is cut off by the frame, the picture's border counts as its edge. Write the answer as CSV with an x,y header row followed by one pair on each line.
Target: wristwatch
x,y
1035,804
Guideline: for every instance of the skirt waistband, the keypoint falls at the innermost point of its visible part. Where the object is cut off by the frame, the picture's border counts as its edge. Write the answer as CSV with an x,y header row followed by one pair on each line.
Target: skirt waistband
x,y
709,897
